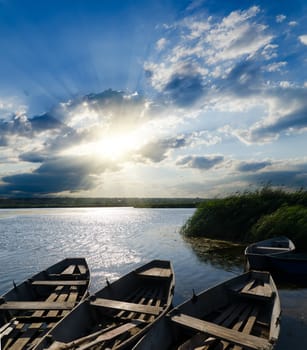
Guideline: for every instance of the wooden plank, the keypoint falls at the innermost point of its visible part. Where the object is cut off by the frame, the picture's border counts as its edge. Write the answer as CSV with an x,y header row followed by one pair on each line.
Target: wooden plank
x,y
243,317
201,339
225,322
37,319
122,305
248,286
272,248
25,338
52,297
61,298
20,327
72,298
69,270
60,283
109,335
74,276
259,292
230,314
35,305
95,338
82,269
134,297
6,329
267,290
53,315
245,340
156,272
249,325
157,302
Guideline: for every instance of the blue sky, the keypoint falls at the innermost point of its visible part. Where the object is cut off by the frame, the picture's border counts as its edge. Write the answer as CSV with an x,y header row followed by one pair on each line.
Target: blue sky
x,y
152,98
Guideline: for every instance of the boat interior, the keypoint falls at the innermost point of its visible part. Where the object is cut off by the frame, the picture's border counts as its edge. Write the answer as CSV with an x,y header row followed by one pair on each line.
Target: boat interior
x,y
240,319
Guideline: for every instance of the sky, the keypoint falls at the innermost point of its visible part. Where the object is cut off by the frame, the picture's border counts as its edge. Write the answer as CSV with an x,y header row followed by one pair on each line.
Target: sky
x,y
152,98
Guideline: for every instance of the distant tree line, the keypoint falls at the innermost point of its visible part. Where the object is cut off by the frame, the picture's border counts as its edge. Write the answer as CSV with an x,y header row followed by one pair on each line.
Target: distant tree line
x,y
252,216
99,202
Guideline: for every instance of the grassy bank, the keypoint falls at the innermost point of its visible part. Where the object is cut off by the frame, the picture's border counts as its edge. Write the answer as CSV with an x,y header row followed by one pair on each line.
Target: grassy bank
x,y
252,216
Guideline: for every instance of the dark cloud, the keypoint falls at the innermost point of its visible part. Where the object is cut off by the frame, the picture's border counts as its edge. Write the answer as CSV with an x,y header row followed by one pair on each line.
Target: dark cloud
x,y
21,125
200,162
57,175
33,157
243,80
184,89
295,120
253,166
45,122
289,178
124,108
16,125
157,151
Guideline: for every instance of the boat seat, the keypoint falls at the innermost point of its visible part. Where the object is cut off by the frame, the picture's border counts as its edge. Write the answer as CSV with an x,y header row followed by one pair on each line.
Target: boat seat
x,y
122,305
282,249
59,283
36,305
257,290
156,272
69,270
230,335
74,276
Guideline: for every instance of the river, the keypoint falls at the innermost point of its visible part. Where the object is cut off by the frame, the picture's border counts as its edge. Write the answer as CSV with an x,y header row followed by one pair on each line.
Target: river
x,y
116,240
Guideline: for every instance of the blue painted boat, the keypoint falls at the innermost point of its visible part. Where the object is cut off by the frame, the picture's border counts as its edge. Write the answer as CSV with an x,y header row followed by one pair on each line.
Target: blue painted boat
x,y
292,266
258,254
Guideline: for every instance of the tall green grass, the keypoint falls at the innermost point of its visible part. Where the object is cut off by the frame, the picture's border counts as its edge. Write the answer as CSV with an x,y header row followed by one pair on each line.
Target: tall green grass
x,y
252,216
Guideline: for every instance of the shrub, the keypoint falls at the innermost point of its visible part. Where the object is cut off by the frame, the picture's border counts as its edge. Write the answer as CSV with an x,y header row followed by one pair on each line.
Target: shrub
x,y
238,217
290,221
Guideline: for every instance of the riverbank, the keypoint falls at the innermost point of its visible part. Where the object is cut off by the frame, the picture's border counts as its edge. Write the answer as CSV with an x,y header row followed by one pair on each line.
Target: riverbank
x,y
252,216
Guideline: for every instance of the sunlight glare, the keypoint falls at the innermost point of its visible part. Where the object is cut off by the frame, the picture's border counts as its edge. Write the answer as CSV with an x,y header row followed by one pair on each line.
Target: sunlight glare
x,y
112,147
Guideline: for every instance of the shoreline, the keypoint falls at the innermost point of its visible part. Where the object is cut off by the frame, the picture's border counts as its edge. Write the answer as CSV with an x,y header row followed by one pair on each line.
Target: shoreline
x,y
16,203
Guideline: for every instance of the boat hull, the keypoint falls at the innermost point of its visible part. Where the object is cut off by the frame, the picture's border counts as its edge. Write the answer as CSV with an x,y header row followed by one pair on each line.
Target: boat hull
x,y
134,302
221,316
257,254
30,309
290,266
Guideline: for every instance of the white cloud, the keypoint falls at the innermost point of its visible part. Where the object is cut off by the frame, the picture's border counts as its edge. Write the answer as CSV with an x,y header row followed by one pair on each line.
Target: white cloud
x,y
280,18
275,67
205,49
195,4
284,84
161,43
303,39
293,23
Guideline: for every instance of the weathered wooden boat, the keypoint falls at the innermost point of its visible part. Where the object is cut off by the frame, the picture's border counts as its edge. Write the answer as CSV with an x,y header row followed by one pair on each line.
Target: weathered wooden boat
x,y
289,266
241,313
119,314
33,307
257,253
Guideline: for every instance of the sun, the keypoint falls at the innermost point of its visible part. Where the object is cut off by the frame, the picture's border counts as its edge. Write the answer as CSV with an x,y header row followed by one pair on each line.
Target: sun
x,y
115,146
118,146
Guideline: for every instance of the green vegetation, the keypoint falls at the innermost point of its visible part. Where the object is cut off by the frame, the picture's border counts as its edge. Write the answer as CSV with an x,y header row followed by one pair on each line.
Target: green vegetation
x,y
252,216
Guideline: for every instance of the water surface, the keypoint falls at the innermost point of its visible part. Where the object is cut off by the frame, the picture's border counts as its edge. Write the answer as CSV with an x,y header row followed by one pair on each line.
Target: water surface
x,y
116,240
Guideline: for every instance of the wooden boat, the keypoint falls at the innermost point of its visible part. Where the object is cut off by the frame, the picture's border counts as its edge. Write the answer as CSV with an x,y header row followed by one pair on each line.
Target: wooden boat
x,y
119,314
33,307
289,266
257,253
241,313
